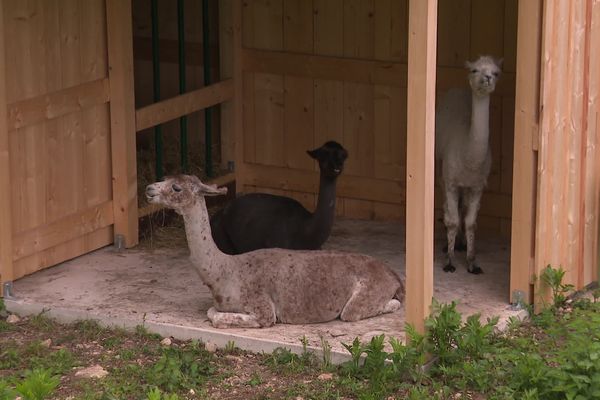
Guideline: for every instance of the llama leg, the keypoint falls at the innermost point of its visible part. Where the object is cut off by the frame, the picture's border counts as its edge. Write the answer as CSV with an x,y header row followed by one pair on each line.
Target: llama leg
x,y
451,220
366,302
231,320
473,198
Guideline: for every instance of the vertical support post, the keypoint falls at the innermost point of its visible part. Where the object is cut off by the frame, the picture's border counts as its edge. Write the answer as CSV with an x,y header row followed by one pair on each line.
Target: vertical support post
x,y
238,87
158,138
206,68
183,138
6,253
122,119
422,45
226,137
525,159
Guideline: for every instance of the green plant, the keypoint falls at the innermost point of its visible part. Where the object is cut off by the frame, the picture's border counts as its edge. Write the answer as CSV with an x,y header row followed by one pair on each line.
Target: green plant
x,y
156,394
6,393
356,350
178,369
255,380
326,353
37,385
230,347
553,278
443,331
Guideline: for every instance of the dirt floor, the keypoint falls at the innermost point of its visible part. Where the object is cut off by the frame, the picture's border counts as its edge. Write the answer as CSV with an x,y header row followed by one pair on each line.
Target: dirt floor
x,y
159,288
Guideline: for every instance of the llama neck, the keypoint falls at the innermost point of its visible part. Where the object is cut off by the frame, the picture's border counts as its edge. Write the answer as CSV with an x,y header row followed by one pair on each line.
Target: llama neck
x,y
204,253
321,221
478,143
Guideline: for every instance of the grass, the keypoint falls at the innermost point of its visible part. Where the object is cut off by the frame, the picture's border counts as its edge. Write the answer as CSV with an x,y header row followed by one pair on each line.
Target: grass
x,y
555,355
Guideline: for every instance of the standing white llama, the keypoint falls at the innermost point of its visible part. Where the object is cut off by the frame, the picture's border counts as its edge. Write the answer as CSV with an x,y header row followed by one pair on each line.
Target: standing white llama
x,y
462,147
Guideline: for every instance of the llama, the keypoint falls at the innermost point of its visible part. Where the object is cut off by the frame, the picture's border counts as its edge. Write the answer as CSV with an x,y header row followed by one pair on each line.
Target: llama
x,y
262,287
462,146
261,220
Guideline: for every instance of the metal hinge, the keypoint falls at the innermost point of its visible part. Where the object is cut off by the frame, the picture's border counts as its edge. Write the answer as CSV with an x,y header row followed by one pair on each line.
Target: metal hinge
x,y
7,290
119,242
518,300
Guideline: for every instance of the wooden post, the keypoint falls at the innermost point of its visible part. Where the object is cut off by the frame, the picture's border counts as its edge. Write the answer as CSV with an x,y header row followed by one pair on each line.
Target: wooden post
x,y
226,64
422,28
122,119
525,145
6,256
238,84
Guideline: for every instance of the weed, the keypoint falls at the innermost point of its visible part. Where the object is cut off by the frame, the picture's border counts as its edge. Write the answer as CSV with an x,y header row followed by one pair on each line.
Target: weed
x,y
255,380
9,358
42,322
143,332
6,393
230,347
88,329
326,353
156,394
37,385
553,278
178,369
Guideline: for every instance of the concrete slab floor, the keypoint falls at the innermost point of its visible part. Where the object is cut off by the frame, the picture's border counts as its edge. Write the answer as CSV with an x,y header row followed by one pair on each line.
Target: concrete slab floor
x,y
160,289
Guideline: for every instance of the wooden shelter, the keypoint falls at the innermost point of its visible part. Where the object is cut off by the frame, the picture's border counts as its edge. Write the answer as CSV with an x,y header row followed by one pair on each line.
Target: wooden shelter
x,y
293,74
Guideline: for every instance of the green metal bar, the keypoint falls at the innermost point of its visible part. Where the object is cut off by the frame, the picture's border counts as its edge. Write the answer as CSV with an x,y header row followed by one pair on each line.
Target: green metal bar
x,y
158,138
207,112
183,120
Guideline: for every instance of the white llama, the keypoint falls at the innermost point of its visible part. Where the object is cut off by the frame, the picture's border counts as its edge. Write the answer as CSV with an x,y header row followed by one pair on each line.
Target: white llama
x,y
462,147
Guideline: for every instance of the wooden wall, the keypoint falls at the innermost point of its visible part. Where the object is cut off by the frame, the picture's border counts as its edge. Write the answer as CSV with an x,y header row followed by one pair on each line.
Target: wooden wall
x,y
569,158
65,191
332,69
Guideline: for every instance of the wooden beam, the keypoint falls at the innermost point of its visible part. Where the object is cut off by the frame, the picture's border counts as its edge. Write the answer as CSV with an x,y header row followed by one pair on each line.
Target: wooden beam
x,y
57,104
65,229
353,187
226,67
122,119
238,91
354,70
524,189
6,263
184,104
422,33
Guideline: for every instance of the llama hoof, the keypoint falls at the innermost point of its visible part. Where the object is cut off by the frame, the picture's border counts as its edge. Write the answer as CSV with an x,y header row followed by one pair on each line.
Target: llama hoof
x,y
475,270
449,268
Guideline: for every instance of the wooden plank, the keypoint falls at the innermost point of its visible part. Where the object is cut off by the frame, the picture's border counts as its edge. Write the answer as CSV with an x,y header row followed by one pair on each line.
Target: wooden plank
x,y
353,187
53,105
122,115
454,33
298,26
389,132
269,119
63,230
352,70
524,178
63,251
487,28
169,48
328,27
226,67
185,104
358,128
420,159
322,67
239,95
6,212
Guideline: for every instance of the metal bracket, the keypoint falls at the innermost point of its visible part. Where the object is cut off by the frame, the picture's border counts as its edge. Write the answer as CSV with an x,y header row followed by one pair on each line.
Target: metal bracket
x,y
231,166
7,291
119,242
518,300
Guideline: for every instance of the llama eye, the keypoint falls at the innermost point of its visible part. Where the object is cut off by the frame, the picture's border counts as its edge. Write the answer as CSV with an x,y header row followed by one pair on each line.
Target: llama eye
x,y
473,71
176,188
496,74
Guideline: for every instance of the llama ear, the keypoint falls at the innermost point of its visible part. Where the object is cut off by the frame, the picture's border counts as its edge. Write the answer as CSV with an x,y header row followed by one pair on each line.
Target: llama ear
x,y
499,62
209,190
469,65
314,153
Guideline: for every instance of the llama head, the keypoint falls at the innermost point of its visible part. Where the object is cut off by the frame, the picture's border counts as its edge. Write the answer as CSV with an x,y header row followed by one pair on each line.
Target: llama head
x,y
180,192
331,157
483,74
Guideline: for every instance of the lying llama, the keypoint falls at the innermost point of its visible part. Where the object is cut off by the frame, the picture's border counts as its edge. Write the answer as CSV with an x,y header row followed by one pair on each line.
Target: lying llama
x,y
260,220
259,288
462,146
